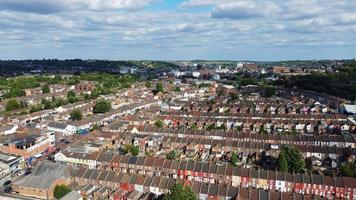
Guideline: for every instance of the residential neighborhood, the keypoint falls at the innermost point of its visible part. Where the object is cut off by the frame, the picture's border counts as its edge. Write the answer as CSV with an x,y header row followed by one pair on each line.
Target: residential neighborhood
x,y
143,138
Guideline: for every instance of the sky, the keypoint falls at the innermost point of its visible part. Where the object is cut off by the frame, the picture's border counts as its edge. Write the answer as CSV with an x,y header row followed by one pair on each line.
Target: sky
x,y
261,30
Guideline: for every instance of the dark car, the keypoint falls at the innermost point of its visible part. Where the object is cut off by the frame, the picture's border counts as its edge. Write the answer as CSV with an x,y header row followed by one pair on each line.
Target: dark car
x,y
27,172
8,182
8,189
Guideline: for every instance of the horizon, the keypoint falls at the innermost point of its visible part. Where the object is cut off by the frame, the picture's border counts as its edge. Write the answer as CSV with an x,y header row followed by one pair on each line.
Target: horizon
x,y
234,30
192,60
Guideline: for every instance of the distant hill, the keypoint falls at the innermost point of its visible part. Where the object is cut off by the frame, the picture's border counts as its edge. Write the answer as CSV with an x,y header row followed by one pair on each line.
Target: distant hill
x,y
17,67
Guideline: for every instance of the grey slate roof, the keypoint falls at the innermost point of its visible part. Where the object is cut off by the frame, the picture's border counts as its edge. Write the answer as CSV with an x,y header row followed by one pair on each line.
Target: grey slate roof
x,y
40,182
73,195
57,125
44,175
50,169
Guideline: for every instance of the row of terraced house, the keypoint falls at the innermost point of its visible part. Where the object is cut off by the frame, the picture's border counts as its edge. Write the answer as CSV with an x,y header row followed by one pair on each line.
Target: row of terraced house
x,y
123,186
322,140
331,187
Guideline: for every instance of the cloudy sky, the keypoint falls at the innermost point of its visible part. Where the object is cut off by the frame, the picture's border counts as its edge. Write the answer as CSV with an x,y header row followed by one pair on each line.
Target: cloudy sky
x,y
178,29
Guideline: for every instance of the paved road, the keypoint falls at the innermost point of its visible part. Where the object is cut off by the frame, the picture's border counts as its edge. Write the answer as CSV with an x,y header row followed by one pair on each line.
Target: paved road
x,y
10,196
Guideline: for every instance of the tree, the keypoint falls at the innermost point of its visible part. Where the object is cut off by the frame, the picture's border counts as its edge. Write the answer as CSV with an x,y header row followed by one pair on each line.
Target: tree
x,y
102,106
96,127
134,150
348,170
15,92
71,94
56,79
148,84
60,102
171,155
73,81
179,192
177,89
12,104
36,108
337,84
270,91
60,191
71,97
282,162
76,115
159,123
211,127
47,104
159,87
45,89
294,159
234,158
248,81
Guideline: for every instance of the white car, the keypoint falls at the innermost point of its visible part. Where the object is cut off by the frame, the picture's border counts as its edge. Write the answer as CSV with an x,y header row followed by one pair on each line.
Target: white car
x,y
21,173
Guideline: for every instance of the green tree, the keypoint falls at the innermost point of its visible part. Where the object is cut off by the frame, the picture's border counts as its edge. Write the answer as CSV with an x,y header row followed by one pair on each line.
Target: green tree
x,y
177,89
159,87
179,192
348,170
60,102
72,99
60,191
47,104
56,79
134,150
159,123
36,108
71,94
73,81
96,127
15,92
248,81
45,89
148,84
234,158
211,127
270,91
102,106
282,162
12,104
295,160
171,155
76,115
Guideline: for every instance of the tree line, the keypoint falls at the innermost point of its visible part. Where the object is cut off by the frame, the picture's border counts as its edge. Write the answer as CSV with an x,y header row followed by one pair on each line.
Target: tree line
x,y
341,83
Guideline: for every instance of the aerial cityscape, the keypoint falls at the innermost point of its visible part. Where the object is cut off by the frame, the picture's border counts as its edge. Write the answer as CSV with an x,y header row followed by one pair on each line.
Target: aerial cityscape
x,y
177,99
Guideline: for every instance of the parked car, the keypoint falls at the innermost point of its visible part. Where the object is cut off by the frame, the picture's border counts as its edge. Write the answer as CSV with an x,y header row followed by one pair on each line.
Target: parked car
x,y
8,182
27,171
8,189
22,172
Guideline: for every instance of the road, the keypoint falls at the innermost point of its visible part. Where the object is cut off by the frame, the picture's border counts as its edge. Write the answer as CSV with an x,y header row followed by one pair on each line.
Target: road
x,y
10,196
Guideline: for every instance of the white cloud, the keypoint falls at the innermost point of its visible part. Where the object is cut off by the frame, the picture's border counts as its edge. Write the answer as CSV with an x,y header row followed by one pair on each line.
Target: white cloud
x,y
55,6
222,29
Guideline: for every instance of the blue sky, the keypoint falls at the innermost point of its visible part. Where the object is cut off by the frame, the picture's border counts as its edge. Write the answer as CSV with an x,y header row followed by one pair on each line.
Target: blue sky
x,y
178,29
